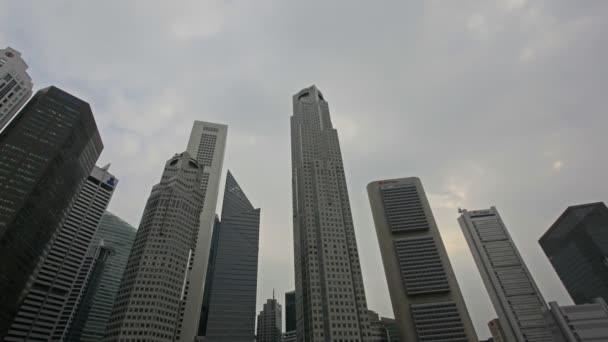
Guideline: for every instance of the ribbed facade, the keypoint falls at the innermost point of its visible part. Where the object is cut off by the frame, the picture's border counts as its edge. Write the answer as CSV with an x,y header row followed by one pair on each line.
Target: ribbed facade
x,y
579,323
577,247
152,291
15,84
330,296
516,298
46,154
109,253
57,288
269,322
233,287
425,295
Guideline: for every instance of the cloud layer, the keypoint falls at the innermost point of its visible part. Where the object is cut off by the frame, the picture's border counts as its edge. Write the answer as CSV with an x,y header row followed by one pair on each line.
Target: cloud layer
x,y
489,103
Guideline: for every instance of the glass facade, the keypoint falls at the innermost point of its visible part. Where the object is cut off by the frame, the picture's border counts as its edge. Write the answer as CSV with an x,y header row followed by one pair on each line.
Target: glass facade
x,y
577,247
116,237
232,297
290,311
46,154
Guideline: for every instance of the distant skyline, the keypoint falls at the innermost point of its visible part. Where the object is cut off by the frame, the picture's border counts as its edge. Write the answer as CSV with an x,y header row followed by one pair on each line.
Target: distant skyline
x,y
489,103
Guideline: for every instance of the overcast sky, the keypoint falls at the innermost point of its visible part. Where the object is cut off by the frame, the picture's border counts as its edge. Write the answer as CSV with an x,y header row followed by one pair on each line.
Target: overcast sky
x,y
488,102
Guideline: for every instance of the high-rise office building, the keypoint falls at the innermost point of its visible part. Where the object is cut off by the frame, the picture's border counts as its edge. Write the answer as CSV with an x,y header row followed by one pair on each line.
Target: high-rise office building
x,y
153,288
496,330
46,154
15,84
418,272
269,322
378,328
330,297
233,286
290,311
578,323
516,298
577,247
49,305
115,236
290,336
207,145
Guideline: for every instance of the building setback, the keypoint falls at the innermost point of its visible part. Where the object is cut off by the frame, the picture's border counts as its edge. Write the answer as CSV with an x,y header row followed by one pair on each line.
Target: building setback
x,y
108,254
15,84
418,272
153,287
513,292
579,323
50,304
207,145
330,297
577,247
269,322
233,286
46,154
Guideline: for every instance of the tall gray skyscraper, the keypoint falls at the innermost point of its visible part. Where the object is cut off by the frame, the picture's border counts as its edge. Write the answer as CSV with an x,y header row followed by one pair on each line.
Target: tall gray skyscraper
x,y
233,286
420,278
90,320
330,301
516,298
46,154
577,246
578,323
55,293
207,145
269,322
153,287
15,84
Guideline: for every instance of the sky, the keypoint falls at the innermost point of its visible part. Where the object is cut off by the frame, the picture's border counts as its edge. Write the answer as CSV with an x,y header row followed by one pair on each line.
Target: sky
x,y
489,102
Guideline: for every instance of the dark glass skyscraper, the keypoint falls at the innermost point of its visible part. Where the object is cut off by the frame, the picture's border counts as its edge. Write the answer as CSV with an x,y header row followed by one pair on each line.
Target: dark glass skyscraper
x,y
232,293
577,246
57,287
290,311
116,237
46,154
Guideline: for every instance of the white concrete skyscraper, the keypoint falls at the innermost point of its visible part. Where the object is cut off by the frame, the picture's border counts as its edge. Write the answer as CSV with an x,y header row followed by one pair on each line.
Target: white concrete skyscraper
x,y
516,298
152,292
330,298
171,249
207,145
424,292
15,84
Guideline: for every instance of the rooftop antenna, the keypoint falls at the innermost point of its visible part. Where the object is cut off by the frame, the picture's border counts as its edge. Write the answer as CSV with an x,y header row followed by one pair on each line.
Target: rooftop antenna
x,y
273,293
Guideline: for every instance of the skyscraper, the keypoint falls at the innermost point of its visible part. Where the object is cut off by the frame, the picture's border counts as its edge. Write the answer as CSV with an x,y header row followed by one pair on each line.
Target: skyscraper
x,y
496,330
52,300
577,246
578,323
419,275
46,154
330,298
91,318
207,145
516,298
15,84
269,322
153,287
290,311
233,287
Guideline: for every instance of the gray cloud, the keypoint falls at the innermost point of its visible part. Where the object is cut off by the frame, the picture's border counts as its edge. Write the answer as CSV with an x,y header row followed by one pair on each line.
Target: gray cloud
x,y
490,103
